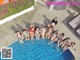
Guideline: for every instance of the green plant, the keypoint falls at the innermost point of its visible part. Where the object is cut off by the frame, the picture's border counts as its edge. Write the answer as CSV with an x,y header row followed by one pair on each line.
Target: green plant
x,y
14,7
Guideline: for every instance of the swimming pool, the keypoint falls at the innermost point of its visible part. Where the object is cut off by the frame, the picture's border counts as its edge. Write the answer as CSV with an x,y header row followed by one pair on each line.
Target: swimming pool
x,y
36,50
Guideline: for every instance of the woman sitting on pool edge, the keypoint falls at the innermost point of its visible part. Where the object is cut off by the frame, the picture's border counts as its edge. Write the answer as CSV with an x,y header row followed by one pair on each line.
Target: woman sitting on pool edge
x,y
19,36
37,33
32,32
45,32
25,34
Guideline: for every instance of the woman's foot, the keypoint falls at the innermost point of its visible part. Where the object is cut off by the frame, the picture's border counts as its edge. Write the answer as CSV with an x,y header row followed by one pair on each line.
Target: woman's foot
x,y
21,42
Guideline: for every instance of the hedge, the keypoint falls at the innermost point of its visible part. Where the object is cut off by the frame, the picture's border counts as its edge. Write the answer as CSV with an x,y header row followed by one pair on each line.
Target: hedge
x,y
14,7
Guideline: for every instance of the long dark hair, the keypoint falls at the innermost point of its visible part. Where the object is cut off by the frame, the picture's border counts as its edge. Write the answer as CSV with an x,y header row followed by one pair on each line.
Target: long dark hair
x,y
66,38
36,28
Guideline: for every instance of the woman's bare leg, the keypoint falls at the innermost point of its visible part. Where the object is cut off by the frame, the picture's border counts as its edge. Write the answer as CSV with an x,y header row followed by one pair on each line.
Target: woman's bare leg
x,y
21,41
38,36
49,36
46,35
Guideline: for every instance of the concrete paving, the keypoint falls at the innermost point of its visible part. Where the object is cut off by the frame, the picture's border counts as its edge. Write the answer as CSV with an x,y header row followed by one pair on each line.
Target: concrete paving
x,y
41,15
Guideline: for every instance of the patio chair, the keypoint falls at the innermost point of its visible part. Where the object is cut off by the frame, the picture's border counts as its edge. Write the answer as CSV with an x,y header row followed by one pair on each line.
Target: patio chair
x,y
78,31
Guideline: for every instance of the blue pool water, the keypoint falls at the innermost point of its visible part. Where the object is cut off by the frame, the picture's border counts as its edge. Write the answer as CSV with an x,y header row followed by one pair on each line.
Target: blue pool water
x,y
36,50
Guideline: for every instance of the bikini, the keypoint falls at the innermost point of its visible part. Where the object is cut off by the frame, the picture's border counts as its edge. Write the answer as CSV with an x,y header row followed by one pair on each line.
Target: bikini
x,y
31,31
26,34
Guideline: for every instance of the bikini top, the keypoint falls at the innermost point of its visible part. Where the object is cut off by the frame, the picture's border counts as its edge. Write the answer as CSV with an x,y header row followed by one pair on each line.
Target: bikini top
x,y
32,30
